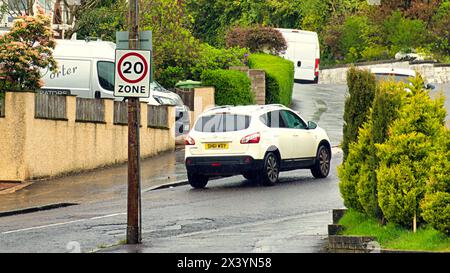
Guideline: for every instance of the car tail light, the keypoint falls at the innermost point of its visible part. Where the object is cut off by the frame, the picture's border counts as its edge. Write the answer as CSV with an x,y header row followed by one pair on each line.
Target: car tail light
x,y
253,138
189,141
316,67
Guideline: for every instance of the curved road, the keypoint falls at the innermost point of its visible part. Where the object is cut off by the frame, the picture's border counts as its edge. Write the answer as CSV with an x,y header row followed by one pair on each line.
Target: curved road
x,y
230,215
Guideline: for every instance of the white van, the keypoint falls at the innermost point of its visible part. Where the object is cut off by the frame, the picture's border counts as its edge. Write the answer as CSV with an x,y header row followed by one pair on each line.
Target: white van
x,y
86,69
303,50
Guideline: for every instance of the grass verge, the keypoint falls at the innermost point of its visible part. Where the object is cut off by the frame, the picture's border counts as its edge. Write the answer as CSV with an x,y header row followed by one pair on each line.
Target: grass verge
x,y
391,236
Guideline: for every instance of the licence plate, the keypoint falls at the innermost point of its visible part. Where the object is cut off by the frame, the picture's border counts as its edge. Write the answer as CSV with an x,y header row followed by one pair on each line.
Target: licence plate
x,y
216,146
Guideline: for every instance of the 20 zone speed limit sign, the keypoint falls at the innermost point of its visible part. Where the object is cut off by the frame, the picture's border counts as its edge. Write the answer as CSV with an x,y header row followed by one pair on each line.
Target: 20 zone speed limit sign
x,y
132,77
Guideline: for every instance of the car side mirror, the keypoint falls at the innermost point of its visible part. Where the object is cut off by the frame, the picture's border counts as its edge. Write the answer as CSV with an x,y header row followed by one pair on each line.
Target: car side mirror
x,y
312,125
430,86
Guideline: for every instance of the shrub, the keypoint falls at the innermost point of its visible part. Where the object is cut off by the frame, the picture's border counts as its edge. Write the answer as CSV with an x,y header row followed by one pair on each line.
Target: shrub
x,y
232,87
357,174
279,77
257,38
436,211
375,52
361,88
436,204
404,157
354,167
387,102
211,58
24,51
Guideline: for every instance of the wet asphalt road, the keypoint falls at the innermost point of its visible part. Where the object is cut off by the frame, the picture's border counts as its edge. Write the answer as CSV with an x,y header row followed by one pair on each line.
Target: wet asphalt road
x,y
230,215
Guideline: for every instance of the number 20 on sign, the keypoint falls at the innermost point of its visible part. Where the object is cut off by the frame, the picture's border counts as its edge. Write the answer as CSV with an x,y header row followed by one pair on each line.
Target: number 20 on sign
x,y
132,73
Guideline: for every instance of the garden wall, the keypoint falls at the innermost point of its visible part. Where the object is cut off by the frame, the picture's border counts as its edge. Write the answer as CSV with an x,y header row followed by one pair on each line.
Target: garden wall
x,y
32,147
433,73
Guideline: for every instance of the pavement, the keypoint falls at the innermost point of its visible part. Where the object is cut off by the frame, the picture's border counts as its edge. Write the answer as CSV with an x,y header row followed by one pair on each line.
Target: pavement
x,y
230,215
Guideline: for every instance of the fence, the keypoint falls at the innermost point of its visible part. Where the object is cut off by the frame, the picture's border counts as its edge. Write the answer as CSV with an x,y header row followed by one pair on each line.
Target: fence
x,y
2,105
157,116
90,110
71,146
120,113
50,107
187,95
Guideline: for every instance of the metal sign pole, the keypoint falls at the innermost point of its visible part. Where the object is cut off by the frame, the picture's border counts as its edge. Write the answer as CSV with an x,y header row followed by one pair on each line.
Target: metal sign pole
x,y
133,207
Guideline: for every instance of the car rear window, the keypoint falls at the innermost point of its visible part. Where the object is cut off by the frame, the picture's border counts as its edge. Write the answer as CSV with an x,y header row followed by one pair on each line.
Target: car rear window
x,y
222,122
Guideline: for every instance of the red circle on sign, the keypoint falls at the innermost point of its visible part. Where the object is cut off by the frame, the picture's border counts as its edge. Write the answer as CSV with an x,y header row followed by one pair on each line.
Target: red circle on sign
x,y
142,59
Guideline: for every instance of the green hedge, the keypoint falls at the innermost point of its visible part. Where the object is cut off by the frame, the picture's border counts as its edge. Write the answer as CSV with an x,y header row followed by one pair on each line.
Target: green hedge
x,y
232,87
279,77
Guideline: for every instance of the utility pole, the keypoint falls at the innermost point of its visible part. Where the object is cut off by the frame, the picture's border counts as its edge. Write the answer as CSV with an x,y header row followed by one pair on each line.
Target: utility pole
x,y
134,168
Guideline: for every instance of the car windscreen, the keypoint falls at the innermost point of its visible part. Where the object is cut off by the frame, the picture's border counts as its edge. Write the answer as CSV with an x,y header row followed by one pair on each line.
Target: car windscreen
x,y
394,77
222,122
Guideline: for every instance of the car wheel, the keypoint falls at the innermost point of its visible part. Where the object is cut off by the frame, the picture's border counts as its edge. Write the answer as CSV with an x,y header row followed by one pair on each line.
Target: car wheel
x,y
322,165
271,170
197,181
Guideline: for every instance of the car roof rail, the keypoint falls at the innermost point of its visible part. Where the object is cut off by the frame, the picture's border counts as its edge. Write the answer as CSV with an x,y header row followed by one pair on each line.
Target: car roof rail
x,y
220,107
277,104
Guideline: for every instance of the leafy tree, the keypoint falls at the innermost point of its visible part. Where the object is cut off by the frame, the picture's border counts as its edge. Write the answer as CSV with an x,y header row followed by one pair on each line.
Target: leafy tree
x,y
404,34
102,22
173,43
356,37
440,28
212,19
24,51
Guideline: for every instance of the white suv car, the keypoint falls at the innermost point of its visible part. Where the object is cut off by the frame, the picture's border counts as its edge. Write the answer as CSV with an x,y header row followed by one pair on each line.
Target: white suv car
x,y
257,141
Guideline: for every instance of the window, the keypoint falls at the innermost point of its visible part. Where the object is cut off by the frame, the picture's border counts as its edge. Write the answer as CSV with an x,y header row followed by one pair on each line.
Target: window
x,y
222,123
273,119
292,120
105,72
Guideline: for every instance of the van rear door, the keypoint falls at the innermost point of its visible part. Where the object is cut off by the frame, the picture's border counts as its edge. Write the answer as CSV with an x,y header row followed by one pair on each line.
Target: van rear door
x,y
305,60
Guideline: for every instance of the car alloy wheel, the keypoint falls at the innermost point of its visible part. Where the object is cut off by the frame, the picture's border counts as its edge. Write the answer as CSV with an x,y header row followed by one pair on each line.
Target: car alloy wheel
x,y
272,169
322,166
324,161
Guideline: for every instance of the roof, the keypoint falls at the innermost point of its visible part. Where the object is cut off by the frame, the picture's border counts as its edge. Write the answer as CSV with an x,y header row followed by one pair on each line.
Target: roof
x,y
85,49
291,30
395,71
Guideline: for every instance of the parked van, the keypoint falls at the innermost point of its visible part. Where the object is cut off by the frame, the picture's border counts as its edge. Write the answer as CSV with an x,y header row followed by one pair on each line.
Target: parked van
x,y
86,69
303,50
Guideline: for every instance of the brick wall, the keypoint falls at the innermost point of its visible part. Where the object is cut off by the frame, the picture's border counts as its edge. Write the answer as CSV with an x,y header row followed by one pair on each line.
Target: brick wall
x,y
258,79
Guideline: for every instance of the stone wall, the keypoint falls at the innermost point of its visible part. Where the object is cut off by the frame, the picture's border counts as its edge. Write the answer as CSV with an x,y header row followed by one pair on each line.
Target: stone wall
x,y
432,73
258,79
